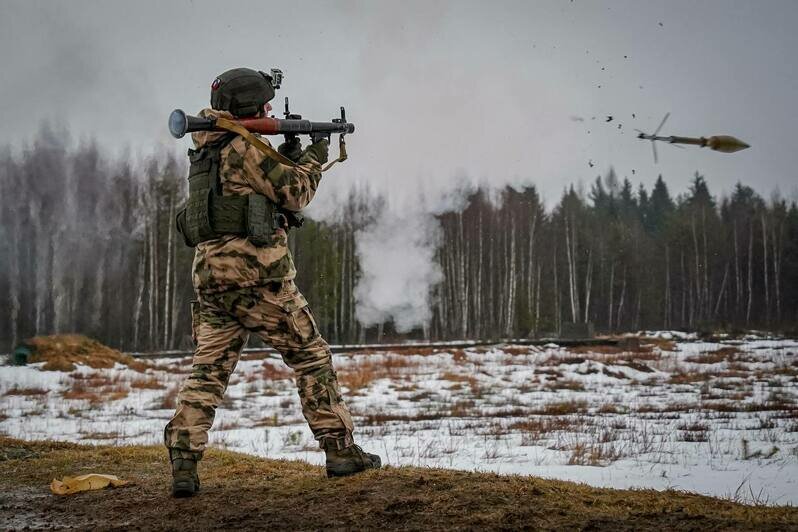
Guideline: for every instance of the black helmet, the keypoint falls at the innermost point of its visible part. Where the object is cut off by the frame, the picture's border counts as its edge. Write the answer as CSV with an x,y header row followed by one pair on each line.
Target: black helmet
x,y
242,91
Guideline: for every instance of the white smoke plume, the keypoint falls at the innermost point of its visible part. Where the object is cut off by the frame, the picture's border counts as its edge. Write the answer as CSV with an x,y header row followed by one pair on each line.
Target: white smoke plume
x,y
399,270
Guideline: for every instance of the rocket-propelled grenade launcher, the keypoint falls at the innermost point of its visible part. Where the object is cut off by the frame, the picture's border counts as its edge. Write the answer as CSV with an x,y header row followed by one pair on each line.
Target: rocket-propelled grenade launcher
x,y
292,125
180,123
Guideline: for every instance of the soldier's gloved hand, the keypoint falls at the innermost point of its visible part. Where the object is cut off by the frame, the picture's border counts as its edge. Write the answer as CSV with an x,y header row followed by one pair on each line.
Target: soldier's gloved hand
x,y
321,149
291,148
315,137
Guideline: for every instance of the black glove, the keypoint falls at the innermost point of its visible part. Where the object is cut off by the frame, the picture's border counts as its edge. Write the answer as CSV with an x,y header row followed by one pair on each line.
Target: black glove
x,y
291,148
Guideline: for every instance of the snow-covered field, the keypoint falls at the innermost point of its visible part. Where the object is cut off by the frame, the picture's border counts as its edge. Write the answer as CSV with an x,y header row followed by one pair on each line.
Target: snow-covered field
x,y
717,418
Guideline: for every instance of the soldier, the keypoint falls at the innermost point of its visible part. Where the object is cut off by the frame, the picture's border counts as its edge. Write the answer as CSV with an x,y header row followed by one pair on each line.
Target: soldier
x,y
241,205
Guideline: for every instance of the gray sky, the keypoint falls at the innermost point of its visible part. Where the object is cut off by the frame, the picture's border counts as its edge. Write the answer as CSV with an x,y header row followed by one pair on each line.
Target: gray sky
x,y
439,92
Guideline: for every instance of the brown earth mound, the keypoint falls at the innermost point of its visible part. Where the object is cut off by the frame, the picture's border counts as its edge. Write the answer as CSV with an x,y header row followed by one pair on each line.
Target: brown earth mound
x,y
62,351
245,492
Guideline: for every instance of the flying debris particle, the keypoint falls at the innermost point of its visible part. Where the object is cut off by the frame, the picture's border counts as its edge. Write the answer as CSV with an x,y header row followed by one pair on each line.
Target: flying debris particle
x,y
619,126
592,117
590,163
633,171
609,119
576,118
660,23
633,115
626,57
599,86
602,68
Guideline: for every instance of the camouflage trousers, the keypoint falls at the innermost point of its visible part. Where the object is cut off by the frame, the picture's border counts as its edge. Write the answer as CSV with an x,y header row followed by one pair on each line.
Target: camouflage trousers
x,y
280,316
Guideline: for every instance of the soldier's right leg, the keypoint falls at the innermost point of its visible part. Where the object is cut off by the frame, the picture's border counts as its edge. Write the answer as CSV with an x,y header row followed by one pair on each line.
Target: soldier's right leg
x,y
219,339
279,314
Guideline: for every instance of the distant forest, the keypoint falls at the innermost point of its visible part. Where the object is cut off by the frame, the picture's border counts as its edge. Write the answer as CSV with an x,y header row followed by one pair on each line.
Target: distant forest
x,y
88,245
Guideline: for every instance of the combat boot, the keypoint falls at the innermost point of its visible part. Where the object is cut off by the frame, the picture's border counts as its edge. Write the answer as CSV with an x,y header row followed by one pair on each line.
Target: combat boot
x,y
351,460
185,481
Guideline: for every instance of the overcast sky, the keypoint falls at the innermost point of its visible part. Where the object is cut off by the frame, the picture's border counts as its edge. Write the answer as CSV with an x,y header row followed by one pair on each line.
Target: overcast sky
x,y
439,92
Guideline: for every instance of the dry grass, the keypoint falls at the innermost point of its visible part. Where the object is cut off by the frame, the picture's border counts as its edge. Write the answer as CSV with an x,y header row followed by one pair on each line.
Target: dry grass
x,y
563,384
562,408
639,366
688,377
95,395
659,343
355,381
361,374
380,418
228,424
62,353
515,350
722,354
456,377
168,399
101,436
786,371
403,350
462,408
607,355
627,358
537,428
96,379
548,371
593,454
596,349
265,494
25,391
459,355
611,408
181,367
275,371
147,384
693,436
648,408
693,426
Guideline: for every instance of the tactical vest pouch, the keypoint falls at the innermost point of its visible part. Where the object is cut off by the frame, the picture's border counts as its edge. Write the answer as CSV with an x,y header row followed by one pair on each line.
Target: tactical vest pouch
x,y
209,215
260,219
194,222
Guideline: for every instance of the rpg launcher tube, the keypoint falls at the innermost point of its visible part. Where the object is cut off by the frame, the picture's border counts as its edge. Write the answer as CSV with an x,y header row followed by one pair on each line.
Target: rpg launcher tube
x,y
180,123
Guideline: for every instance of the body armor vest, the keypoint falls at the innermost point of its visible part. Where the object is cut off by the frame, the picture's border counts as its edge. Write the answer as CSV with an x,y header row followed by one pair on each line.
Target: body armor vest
x,y
209,215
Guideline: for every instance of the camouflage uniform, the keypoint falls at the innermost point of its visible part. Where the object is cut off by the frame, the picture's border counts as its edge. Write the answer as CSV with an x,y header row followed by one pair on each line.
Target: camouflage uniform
x,y
241,289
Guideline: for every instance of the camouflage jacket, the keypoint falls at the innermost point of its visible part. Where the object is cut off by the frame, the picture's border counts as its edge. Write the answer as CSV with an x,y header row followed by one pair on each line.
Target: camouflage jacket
x,y
232,261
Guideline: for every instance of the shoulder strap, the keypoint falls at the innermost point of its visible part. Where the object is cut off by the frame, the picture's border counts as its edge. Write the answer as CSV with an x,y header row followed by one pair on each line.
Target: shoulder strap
x,y
267,150
216,148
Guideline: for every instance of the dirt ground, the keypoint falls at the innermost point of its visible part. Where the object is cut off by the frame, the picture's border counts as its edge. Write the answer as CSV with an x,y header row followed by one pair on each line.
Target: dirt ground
x,y
246,492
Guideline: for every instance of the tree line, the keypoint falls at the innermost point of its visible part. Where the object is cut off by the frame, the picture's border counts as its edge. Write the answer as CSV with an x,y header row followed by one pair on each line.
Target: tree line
x,y
88,245
621,258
